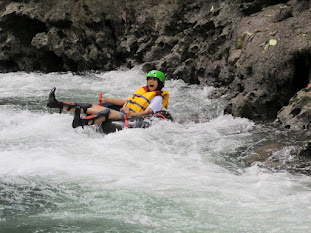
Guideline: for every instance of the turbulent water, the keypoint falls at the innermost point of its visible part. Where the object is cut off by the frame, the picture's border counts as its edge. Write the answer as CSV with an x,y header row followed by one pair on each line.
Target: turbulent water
x,y
181,176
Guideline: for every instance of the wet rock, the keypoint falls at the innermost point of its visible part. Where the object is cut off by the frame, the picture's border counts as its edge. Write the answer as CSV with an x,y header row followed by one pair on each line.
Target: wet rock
x,y
234,56
297,114
217,93
56,36
262,153
293,159
270,75
282,156
305,152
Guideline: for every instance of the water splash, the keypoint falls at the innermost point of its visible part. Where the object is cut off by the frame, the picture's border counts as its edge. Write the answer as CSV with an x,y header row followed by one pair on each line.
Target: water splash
x,y
182,176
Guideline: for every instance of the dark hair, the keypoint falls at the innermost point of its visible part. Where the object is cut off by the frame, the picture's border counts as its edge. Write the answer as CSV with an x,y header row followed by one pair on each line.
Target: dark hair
x,y
160,85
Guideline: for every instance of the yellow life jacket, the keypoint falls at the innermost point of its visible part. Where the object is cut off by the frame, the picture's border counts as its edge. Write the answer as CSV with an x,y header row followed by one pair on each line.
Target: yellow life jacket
x,y
140,100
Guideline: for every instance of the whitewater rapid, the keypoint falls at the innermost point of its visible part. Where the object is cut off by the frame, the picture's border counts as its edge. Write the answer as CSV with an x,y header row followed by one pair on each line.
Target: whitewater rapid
x,y
181,176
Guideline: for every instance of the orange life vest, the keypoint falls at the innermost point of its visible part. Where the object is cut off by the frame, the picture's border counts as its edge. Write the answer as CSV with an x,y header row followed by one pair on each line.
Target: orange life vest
x,y
140,100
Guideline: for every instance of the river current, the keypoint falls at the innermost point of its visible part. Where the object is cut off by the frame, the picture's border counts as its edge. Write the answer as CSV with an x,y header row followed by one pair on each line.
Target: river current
x,y
181,176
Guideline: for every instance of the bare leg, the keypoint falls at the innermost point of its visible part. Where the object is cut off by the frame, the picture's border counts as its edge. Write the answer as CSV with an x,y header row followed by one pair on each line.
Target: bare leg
x,y
98,115
114,115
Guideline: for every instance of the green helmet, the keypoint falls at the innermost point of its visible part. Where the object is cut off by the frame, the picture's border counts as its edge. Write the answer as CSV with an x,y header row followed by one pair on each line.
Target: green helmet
x,y
157,74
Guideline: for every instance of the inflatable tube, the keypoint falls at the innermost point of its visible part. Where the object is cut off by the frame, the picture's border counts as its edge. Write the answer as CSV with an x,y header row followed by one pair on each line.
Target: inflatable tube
x,y
133,122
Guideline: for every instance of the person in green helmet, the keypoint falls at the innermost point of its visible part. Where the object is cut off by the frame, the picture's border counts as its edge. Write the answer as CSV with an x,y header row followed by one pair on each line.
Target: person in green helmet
x,y
146,100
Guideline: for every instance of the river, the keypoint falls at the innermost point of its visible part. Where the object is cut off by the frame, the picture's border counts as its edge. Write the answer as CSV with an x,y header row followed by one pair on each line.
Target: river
x,y
181,176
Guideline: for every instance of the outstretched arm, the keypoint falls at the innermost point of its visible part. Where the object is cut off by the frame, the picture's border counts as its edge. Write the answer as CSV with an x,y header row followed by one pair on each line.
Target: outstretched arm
x,y
154,106
119,102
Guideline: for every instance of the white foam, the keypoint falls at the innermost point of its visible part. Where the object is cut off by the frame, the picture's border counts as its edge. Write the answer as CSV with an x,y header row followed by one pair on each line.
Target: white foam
x,y
183,173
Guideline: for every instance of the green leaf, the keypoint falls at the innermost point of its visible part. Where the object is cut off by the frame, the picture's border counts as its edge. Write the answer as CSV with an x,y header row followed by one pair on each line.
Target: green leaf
x,y
304,34
250,33
266,46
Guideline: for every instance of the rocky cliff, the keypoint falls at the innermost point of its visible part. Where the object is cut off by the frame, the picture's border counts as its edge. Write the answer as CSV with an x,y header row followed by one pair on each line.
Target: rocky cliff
x,y
256,52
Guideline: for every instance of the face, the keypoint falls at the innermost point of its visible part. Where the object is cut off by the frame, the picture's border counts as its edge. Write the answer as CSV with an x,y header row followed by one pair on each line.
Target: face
x,y
152,83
